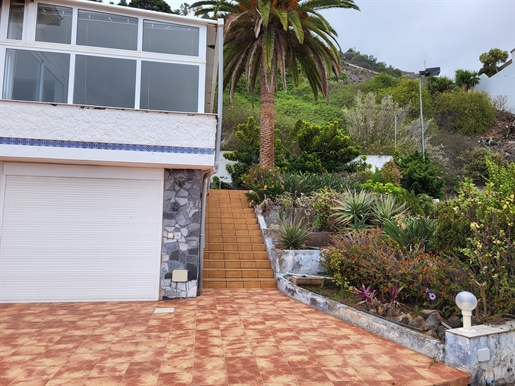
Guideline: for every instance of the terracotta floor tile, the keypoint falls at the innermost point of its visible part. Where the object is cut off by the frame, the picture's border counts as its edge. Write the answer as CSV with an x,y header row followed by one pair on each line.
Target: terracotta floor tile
x,y
278,374
103,381
214,377
66,382
31,382
109,370
140,380
244,337
342,374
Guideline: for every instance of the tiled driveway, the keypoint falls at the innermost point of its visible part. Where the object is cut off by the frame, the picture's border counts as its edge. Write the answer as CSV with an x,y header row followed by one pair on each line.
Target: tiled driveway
x,y
225,337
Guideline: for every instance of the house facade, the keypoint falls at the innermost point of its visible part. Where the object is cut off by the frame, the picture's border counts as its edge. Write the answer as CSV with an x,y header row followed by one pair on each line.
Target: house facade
x,y
107,142
501,84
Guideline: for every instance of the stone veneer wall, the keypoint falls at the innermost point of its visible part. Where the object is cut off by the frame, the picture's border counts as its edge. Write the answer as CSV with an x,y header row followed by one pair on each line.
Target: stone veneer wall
x,y
181,231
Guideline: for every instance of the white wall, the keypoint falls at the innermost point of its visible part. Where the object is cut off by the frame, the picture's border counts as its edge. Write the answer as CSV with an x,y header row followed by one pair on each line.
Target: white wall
x,y
501,84
113,136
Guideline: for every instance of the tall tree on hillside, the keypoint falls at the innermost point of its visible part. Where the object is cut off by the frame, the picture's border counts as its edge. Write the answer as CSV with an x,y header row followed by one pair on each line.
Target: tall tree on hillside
x,y
152,5
467,80
267,37
491,61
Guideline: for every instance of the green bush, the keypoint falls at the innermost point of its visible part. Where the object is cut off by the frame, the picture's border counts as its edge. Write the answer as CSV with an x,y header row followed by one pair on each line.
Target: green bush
x,y
420,174
479,227
413,233
292,234
263,184
466,112
317,149
366,258
474,163
381,188
353,210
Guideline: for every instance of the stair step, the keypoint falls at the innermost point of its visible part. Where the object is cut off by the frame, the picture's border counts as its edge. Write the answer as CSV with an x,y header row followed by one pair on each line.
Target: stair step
x,y
239,283
241,247
235,239
237,273
218,231
257,264
234,255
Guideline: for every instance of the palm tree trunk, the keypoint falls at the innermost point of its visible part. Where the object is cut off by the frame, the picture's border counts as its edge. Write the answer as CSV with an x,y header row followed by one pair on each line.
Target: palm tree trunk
x,y
267,121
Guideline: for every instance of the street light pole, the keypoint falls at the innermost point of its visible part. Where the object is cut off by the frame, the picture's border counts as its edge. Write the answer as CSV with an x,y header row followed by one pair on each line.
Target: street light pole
x,y
427,72
421,117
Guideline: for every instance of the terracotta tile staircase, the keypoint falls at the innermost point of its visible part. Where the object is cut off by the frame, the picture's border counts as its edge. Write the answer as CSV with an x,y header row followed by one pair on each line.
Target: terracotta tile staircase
x,y
235,255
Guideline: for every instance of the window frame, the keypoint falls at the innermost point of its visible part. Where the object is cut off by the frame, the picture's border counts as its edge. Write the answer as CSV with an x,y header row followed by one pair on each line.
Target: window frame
x,y
29,42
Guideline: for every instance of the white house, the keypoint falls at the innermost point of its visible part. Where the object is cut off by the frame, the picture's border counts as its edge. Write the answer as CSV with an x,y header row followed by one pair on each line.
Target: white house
x,y
501,84
107,142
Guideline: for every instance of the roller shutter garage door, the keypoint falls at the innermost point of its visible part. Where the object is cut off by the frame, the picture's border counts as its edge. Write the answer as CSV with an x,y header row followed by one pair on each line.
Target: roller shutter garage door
x,y
79,233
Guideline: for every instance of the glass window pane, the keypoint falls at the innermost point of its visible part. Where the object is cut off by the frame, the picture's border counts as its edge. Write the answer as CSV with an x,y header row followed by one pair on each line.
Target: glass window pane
x,y
104,81
54,24
107,30
169,87
170,38
15,26
36,76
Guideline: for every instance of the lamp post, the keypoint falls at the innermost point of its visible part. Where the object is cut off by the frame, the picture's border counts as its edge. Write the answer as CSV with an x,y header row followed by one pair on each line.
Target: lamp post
x,y
466,301
427,72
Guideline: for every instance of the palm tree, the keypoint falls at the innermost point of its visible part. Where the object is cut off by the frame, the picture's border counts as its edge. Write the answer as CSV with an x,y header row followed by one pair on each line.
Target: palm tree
x,y
467,80
265,37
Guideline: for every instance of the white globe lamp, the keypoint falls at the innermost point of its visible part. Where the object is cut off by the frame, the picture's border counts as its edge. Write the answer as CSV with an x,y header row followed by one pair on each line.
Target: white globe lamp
x,y
467,302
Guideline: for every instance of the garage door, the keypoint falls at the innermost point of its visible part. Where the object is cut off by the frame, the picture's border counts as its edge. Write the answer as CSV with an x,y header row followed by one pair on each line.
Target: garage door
x,y
72,233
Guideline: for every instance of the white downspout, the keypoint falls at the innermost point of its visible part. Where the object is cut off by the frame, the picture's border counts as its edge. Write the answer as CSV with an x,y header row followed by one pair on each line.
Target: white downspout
x,y
206,177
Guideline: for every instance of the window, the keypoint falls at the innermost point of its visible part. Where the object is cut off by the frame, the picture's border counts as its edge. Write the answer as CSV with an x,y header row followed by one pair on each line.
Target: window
x,y
104,81
169,86
107,30
170,38
36,76
15,25
54,24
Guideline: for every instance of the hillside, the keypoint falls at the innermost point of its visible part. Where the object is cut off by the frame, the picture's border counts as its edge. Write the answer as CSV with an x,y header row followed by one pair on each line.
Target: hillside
x,y
298,103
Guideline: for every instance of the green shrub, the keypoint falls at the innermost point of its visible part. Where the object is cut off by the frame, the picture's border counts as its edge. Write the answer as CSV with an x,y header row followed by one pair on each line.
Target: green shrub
x,y
319,148
263,184
292,234
387,208
418,205
479,227
366,258
420,174
413,233
383,188
474,163
466,112
353,210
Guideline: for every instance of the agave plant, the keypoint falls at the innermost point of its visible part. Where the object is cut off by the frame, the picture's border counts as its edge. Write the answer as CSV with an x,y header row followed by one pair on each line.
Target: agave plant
x,y
354,210
414,233
292,234
387,208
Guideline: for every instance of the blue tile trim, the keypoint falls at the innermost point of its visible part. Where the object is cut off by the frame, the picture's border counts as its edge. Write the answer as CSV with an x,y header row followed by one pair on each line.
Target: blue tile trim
x,y
104,146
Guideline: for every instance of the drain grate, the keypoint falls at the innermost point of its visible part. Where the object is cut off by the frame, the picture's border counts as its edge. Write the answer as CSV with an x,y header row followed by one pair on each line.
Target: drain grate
x,y
164,310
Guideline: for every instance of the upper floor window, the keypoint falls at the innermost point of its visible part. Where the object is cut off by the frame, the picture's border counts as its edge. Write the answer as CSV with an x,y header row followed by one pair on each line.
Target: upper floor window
x,y
15,25
36,76
169,38
104,81
54,24
107,30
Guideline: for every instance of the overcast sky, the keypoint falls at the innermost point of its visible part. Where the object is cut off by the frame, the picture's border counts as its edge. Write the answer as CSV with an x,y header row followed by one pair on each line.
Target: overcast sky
x,y
450,34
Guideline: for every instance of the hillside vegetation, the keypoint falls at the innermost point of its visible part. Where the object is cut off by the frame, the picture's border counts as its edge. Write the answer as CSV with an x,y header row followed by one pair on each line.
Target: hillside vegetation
x,y
380,112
